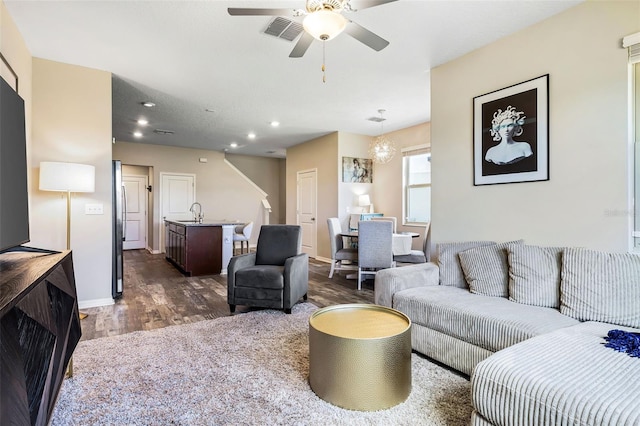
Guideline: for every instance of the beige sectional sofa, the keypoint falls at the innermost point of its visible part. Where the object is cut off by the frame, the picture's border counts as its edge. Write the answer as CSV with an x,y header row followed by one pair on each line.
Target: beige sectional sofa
x,y
527,324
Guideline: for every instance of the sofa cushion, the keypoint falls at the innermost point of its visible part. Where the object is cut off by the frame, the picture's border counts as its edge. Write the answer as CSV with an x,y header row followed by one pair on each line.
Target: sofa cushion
x,y
566,377
534,275
492,323
600,286
486,269
449,265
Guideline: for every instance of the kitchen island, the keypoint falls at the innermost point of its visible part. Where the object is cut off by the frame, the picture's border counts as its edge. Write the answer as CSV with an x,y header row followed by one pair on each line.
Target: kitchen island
x,y
199,248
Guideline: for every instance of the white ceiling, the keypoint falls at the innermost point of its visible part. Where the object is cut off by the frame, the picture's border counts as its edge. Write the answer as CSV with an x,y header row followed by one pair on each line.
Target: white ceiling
x,y
187,56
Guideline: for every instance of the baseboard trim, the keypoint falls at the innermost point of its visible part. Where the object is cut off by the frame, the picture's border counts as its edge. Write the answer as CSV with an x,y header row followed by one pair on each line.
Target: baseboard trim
x,y
323,259
94,303
152,251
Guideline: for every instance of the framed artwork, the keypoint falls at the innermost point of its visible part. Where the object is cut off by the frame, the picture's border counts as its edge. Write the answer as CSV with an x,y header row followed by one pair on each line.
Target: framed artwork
x,y
511,134
357,170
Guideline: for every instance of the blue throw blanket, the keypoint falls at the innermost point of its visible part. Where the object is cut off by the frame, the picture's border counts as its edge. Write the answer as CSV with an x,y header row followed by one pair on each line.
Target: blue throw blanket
x,y
624,341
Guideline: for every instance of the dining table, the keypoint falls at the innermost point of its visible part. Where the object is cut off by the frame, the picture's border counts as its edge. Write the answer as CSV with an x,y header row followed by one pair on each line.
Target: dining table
x,y
400,242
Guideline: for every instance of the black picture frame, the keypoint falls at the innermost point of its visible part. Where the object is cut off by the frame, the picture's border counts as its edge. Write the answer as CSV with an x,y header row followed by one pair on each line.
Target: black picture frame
x,y
511,134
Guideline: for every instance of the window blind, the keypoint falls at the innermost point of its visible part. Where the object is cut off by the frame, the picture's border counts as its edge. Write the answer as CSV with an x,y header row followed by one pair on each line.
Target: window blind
x,y
632,43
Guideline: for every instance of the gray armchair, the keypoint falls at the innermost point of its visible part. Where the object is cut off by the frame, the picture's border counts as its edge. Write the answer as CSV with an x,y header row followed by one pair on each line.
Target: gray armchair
x,y
275,276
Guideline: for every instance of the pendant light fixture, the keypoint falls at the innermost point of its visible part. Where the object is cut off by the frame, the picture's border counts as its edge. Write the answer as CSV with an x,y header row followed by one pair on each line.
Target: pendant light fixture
x,y
382,149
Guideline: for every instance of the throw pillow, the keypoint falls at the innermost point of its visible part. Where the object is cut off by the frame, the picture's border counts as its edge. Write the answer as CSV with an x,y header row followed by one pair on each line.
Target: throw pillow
x,y
448,263
486,269
534,275
601,286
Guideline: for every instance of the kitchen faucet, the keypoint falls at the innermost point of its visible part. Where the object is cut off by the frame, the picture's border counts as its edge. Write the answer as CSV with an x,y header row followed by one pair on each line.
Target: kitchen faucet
x,y
199,216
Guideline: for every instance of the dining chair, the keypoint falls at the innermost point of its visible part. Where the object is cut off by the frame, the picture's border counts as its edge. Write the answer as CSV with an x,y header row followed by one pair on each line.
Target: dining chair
x,y
375,239
418,256
339,253
242,234
389,218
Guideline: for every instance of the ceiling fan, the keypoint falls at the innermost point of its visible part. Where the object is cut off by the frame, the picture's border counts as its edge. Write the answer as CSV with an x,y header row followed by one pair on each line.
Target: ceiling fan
x,y
323,20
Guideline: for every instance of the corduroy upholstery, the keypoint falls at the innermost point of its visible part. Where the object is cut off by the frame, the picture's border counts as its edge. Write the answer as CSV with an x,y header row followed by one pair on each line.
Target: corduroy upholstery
x,y
275,276
492,323
566,377
534,275
529,364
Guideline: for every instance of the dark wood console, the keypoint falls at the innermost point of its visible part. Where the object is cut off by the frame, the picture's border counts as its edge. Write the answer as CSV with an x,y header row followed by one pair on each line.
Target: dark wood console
x,y
39,330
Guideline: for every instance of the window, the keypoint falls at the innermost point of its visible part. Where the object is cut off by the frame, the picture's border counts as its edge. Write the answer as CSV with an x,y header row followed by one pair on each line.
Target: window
x,y
416,165
636,135
632,42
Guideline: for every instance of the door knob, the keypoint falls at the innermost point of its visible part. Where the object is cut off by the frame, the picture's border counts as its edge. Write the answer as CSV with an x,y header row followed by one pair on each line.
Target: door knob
x,y
313,218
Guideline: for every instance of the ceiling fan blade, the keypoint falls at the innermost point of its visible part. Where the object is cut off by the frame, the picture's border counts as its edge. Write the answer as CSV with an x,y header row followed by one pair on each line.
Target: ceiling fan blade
x,y
365,36
235,11
365,4
302,45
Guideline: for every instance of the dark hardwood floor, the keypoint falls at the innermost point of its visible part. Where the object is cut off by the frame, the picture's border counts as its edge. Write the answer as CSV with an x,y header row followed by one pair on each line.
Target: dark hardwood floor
x,y
157,295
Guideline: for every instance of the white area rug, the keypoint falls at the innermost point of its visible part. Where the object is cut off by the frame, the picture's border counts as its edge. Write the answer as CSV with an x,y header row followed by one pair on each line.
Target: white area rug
x,y
248,369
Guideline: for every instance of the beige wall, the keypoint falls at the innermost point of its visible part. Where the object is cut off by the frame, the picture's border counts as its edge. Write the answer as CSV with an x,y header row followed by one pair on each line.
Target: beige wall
x,y
72,123
320,154
581,50
264,172
223,193
354,146
60,127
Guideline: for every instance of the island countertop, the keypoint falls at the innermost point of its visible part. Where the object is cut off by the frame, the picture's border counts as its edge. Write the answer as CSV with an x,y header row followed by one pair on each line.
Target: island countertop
x,y
192,222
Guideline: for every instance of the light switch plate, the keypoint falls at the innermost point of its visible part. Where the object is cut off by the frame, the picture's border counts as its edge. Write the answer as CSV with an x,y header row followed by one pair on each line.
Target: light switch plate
x,y
93,209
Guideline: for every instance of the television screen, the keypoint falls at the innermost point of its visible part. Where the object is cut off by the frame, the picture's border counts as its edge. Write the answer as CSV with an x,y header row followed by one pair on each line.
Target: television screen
x,y
14,198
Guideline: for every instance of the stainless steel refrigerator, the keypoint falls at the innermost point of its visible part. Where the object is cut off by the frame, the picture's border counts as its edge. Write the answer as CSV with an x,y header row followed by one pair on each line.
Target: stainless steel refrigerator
x,y
119,223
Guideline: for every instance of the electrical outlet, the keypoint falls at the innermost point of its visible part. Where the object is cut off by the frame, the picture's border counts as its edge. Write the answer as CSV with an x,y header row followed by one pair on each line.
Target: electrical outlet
x,y
93,209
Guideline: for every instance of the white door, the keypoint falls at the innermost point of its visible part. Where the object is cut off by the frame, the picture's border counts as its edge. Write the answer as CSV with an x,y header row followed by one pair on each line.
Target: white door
x,y
177,194
135,213
306,210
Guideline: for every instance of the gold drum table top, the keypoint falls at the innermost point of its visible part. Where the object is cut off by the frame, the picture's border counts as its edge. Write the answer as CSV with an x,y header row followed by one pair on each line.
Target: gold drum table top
x,y
359,321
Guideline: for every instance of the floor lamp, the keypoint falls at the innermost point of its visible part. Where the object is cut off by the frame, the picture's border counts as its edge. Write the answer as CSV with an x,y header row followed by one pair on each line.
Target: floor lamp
x,y
67,177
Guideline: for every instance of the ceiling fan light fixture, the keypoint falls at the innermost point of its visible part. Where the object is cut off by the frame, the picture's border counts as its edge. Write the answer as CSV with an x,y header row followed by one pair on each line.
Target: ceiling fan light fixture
x,y
324,24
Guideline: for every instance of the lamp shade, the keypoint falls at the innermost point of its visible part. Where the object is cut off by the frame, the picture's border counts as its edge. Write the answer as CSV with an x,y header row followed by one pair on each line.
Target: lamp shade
x,y
72,177
324,24
364,200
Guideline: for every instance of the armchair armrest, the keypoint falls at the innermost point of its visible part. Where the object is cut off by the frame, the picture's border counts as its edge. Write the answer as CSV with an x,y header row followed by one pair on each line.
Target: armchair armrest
x,y
235,264
392,280
296,278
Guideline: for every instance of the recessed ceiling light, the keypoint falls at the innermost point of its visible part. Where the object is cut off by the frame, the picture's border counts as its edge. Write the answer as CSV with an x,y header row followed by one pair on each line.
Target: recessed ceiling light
x,y
251,135
148,104
137,134
143,122
233,145
275,123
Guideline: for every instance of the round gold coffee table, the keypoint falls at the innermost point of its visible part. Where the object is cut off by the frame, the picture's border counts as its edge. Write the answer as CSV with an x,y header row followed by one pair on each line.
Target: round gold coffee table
x,y
360,356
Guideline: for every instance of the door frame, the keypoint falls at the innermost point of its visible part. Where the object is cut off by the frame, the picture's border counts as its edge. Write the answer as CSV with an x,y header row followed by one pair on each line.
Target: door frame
x,y
314,235
146,207
162,175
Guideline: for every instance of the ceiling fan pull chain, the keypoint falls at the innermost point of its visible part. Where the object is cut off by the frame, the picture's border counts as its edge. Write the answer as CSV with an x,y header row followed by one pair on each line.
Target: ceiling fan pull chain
x,y
324,75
